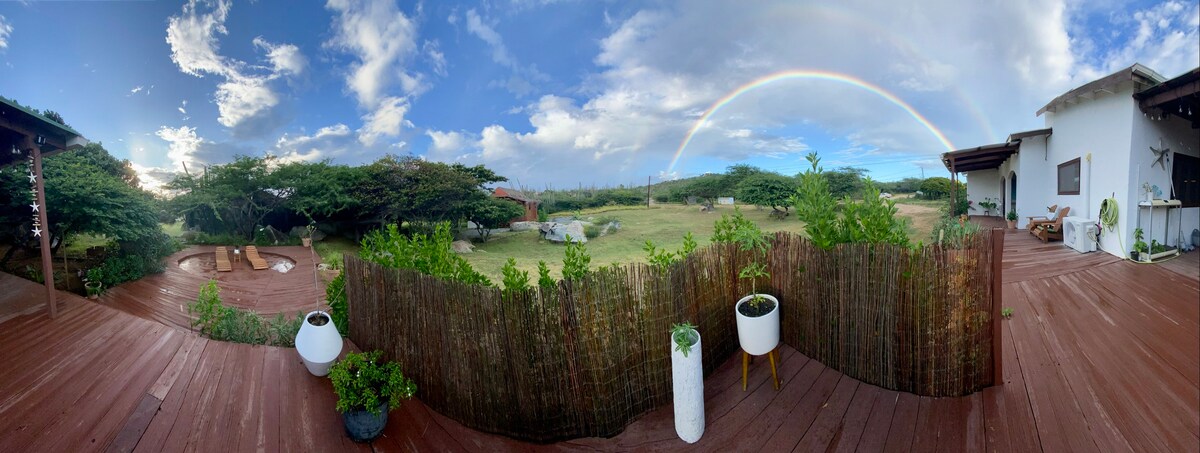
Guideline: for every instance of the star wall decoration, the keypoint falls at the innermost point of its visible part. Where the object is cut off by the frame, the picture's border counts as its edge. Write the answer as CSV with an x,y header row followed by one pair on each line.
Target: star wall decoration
x,y
37,232
34,207
1160,156
32,177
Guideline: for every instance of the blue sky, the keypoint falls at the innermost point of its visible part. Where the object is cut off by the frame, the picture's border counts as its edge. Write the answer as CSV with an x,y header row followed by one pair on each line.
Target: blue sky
x,y
562,93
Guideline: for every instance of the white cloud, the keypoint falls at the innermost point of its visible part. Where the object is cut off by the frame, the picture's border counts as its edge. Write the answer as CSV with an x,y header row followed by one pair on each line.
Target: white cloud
x,y
385,121
153,178
136,89
284,58
437,59
183,145
485,32
6,30
183,107
521,81
381,37
246,101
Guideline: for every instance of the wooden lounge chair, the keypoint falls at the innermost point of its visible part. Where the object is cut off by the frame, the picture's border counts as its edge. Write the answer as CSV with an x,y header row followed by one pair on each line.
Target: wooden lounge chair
x,y
257,262
1033,222
1049,231
223,260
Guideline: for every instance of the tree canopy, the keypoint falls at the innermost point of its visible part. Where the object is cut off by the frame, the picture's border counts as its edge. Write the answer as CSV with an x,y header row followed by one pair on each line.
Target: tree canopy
x,y
767,189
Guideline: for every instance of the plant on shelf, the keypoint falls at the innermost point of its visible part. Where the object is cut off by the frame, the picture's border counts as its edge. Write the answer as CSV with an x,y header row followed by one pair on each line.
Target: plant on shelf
x,y
1139,246
988,204
92,283
367,388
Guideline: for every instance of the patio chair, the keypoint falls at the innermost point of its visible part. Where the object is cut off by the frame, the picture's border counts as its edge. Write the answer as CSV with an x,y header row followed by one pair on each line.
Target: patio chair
x,y
223,260
1049,231
256,261
1033,222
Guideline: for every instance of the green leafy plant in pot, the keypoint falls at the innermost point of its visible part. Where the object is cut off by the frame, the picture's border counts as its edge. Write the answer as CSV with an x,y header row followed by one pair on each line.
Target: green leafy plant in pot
x,y
367,389
1012,219
1139,245
757,314
92,283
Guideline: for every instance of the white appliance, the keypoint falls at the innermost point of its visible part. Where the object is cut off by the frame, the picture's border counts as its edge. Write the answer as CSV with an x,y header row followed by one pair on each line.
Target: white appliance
x,y
1080,233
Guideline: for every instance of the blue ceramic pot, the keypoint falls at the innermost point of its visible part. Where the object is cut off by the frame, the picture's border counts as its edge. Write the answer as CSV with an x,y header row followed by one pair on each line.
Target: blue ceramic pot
x,y
363,426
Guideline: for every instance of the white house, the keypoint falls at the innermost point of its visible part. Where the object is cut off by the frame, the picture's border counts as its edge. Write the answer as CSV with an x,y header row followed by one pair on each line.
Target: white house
x,y
1096,144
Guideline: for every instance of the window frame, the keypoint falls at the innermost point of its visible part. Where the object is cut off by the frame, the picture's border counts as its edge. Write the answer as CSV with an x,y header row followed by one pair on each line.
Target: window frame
x,y
1077,162
1180,183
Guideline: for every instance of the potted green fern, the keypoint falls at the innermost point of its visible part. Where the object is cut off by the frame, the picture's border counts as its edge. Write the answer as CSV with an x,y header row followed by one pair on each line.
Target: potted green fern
x,y
367,389
1011,218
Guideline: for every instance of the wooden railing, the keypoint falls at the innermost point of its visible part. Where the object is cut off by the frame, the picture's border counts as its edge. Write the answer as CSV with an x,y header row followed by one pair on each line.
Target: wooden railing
x,y
585,358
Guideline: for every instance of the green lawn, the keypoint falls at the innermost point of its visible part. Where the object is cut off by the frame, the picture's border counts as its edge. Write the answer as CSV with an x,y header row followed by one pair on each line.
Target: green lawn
x,y
332,248
665,225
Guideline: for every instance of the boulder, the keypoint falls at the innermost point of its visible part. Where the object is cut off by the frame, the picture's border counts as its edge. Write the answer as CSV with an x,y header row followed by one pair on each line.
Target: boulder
x,y
611,227
525,226
462,247
563,220
558,232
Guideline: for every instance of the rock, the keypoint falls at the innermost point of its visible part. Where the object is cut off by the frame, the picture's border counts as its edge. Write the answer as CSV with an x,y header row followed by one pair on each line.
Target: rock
x,y
525,226
563,220
613,226
462,247
558,232
324,267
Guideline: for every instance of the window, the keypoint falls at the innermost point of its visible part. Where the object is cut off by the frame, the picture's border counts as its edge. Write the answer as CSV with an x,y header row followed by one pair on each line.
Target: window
x,y
1068,177
1185,178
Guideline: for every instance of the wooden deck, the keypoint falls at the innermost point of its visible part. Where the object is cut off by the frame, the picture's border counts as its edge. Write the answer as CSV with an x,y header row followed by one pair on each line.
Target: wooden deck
x,y
1100,355
164,297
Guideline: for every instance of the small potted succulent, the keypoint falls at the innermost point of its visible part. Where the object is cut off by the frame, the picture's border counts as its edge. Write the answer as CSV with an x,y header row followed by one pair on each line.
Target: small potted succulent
x,y
1011,218
92,283
687,382
367,389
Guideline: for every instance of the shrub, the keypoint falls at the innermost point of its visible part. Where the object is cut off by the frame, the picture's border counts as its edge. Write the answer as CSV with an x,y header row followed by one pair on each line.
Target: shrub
x,y
725,229
662,258
953,231
428,254
575,261
222,323
339,306
363,383
545,281
872,220
592,231
515,280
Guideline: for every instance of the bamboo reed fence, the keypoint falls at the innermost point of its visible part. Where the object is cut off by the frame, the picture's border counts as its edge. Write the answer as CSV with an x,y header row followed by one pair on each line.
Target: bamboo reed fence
x,y
585,358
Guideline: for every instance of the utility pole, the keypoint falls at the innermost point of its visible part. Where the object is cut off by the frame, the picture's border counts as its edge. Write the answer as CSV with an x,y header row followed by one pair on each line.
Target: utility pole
x,y
922,173
648,192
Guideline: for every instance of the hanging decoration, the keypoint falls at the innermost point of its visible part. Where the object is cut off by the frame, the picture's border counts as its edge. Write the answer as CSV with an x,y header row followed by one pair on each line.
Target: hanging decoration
x,y
1161,155
37,203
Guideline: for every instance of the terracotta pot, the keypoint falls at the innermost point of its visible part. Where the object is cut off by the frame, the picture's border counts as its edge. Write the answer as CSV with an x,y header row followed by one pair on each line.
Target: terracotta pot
x,y
306,241
1012,224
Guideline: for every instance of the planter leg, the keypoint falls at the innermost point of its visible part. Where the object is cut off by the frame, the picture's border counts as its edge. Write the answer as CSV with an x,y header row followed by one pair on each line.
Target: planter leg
x,y
745,368
774,374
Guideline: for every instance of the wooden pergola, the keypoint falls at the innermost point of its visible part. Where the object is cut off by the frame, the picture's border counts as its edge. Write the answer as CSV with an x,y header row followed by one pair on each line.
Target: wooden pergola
x,y
26,137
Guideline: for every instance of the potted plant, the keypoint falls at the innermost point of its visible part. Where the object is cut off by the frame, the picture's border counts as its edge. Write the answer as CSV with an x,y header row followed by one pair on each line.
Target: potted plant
x,y
1011,218
1140,249
687,382
757,314
92,283
306,236
988,205
318,342
367,389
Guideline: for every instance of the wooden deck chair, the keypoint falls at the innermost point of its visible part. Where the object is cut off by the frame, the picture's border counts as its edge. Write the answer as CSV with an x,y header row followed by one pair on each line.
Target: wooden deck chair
x,y
256,261
1034,222
223,264
1049,231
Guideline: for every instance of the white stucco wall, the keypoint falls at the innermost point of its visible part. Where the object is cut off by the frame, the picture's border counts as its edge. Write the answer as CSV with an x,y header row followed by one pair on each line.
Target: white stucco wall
x,y
1098,131
1177,135
984,184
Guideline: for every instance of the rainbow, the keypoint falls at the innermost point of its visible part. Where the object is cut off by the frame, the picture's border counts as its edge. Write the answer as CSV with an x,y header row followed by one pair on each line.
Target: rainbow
x,y
806,74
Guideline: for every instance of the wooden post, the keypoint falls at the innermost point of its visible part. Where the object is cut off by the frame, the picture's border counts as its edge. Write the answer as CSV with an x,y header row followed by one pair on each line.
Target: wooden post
x,y
997,305
953,186
47,264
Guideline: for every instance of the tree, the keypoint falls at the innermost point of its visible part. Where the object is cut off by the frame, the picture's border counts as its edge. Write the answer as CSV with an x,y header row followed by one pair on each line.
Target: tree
x,y
319,191
411,189
489,213
845,181
938,187
230,198
709,187
55,117
767,189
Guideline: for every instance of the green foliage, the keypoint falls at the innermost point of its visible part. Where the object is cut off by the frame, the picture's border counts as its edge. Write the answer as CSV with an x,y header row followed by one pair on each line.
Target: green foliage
x,y
409,188
845,181
588,198
592,231
709,187
953,232
906,185
726,228
95,274
1139,245
222,323
872,220
515,280
489,213
767,189
681,334
575,260
750,238
339,305
662,258
542,216
363,383
545,281
935,188
959,204
428,254
1012,215
988,203
1006,312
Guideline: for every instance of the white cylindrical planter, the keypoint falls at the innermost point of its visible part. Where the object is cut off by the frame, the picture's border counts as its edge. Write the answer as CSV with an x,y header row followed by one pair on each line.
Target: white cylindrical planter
x,y
760,335
687,384
318,345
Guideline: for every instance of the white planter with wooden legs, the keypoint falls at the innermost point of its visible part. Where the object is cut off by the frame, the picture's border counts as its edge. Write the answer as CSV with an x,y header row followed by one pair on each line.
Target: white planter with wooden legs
x,y
687,384
758,335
